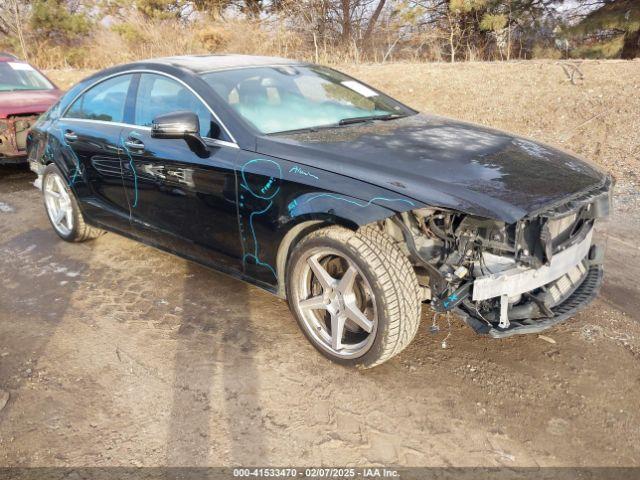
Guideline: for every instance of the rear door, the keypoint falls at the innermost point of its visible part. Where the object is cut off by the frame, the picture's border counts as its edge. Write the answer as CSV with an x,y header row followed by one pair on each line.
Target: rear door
x,y
91,138
181,200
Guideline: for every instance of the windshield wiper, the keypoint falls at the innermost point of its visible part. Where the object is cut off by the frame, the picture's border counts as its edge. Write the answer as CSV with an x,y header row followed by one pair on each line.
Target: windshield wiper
x,y
295,130
349,121
305,129
344,121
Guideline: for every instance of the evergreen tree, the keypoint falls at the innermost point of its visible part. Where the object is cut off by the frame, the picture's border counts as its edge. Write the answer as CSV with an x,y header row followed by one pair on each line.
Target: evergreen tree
x,y
58,20
618,18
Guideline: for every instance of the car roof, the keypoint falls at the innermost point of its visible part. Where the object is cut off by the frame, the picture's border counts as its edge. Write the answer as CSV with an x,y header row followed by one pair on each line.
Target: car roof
x,y
207,63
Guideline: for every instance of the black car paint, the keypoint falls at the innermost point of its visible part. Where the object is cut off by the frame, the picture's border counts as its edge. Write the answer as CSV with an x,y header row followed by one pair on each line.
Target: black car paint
x,y
239,207
96,152
442,162
274,195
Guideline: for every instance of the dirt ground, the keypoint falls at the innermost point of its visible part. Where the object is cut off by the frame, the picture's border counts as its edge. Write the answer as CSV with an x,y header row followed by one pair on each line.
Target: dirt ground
x,y
114,353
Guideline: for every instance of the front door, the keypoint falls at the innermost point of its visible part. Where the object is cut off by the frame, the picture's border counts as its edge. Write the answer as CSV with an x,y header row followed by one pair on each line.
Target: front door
x,y
180,200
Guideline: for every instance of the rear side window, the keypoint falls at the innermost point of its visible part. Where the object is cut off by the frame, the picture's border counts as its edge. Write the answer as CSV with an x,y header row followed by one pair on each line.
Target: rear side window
x,y
158,95
105,101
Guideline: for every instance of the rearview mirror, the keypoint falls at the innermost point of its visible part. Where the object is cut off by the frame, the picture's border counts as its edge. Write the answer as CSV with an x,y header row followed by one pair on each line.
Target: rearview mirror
x,y
184,125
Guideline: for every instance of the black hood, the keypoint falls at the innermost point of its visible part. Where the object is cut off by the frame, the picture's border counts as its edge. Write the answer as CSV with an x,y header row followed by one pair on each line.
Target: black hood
x,y
442,162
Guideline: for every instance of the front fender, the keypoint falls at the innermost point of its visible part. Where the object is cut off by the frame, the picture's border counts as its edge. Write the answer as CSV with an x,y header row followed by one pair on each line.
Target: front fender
x,y
275,196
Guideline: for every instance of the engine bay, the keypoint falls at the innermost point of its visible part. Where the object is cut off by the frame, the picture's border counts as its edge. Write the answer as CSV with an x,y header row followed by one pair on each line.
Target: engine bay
x,y
504,278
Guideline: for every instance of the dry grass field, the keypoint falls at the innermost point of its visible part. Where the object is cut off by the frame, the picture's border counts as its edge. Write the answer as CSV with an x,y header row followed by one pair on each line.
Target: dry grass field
x,y
597,116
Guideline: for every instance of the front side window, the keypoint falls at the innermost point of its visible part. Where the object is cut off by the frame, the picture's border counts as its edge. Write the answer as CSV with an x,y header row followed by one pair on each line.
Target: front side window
x,y
106,101
158,95
285,98
21,76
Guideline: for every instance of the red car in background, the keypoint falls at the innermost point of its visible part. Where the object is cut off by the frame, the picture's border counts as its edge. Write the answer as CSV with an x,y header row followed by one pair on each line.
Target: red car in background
x,y
25,94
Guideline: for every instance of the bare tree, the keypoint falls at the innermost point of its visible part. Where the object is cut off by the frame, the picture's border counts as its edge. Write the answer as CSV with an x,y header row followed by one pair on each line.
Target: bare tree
x,y
346,21
372,21
12,21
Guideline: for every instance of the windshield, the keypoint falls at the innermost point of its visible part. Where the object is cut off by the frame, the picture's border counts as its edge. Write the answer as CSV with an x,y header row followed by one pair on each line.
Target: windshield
x,y
287,98
21,76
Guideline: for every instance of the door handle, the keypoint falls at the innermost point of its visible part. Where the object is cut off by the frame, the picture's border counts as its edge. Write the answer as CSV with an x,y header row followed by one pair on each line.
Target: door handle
x,y
134,144
70,136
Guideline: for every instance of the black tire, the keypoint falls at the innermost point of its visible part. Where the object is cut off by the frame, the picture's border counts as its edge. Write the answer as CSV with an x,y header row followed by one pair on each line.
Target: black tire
x,y
389,274
80,231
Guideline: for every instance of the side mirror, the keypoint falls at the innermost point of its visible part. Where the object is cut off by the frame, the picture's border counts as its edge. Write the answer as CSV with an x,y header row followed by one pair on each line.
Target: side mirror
x,y
175,125
180,125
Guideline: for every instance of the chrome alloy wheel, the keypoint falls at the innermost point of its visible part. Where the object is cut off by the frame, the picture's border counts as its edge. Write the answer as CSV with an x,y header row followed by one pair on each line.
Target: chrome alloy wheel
x,y
58,203
335,302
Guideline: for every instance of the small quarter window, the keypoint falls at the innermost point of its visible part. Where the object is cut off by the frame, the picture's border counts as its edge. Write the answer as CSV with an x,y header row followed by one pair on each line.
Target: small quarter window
x,y
105,101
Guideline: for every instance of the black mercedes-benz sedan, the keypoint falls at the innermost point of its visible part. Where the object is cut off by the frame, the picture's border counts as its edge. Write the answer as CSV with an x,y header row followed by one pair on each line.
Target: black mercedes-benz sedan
x,y
326,192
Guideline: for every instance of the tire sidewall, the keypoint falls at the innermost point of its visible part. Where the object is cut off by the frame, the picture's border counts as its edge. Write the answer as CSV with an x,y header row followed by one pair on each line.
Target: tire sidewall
x,y
376,349
52,169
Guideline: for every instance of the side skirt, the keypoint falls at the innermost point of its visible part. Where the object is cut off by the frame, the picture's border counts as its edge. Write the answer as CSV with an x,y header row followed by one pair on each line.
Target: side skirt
x,y
210,264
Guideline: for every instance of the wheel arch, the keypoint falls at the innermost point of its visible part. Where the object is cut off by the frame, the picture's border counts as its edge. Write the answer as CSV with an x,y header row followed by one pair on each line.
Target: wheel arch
x,y
304,225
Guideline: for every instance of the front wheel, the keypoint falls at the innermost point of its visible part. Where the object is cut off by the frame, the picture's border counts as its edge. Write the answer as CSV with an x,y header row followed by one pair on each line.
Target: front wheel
x,y
63,210
354,295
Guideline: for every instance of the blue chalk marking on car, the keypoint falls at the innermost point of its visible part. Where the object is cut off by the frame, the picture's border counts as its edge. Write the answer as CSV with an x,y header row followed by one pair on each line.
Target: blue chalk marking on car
x,y
48,152
353,202
300,171
263,193
267,186
293,205
135,174
255,255
264,190
77,170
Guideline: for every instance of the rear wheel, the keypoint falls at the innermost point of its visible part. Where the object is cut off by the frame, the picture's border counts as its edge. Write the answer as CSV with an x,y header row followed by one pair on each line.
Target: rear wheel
x,y
63,210
354,294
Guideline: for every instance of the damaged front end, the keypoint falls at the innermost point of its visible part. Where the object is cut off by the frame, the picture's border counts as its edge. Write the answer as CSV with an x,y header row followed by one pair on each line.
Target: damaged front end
x,y
13,136
507,279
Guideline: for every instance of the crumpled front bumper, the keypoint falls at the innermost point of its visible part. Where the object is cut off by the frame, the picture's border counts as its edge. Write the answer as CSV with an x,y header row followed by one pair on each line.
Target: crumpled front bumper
x,y
568,283
584,294
520,280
